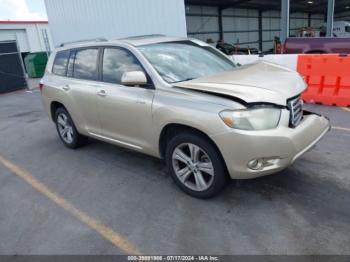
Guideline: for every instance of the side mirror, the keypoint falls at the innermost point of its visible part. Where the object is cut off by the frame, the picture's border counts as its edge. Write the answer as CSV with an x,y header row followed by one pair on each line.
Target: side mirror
x,y
134,78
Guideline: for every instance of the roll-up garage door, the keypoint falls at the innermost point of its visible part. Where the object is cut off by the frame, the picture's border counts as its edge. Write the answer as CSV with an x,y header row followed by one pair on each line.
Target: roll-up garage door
x,y
12,76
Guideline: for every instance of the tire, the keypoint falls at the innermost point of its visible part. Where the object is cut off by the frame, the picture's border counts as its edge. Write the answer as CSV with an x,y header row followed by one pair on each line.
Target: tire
x,y
67,131
207,164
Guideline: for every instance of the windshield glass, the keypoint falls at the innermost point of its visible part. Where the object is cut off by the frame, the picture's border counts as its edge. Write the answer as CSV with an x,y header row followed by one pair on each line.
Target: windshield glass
x,y
185,60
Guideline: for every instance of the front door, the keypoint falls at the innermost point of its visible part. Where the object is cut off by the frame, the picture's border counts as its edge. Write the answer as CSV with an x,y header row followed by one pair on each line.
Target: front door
x,y
125,112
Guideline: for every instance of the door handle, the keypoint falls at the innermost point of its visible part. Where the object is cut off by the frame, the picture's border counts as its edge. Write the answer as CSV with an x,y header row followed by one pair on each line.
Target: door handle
x,y
102,93
66,88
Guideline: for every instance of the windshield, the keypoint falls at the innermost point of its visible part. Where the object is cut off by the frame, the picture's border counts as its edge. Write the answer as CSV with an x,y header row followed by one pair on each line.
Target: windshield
x,y
185,60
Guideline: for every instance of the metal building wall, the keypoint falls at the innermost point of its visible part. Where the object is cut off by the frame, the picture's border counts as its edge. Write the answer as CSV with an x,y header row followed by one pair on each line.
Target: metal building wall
x,y
242,25
203,22
29,36
86,19
272,24
238,24
344,16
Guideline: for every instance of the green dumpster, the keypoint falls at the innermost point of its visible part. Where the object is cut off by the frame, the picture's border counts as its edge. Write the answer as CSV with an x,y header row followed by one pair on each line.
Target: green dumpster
x,y
35,64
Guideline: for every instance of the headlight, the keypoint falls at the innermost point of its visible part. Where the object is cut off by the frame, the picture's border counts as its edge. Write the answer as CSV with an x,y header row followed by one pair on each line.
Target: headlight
x,y
252,119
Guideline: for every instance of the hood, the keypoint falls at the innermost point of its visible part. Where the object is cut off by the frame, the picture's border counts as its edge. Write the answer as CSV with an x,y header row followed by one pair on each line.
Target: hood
x,y
262,82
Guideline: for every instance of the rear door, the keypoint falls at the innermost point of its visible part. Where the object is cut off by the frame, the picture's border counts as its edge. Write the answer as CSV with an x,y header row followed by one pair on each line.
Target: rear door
x,y
125,112
80,88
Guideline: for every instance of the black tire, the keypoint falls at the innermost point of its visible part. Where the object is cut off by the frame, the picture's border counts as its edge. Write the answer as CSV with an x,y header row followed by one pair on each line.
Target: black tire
x,y
220,178
78,140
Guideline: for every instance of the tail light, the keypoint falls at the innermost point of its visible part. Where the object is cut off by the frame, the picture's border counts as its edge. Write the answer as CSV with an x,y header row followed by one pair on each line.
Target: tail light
x,y
41,86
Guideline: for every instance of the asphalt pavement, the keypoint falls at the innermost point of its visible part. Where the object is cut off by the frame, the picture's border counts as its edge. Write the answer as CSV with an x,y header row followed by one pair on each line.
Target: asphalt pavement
x,y
104,199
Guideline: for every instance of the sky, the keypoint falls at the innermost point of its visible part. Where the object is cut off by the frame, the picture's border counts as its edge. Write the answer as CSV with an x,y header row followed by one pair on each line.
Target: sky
x,y
22,10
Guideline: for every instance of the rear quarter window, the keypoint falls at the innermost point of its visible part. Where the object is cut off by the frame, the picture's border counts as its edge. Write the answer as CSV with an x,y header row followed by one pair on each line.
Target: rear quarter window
x,y
60,63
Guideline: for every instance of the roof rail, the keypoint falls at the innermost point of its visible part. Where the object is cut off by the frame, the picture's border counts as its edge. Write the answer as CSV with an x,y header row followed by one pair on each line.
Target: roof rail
x,y
100,39
143,36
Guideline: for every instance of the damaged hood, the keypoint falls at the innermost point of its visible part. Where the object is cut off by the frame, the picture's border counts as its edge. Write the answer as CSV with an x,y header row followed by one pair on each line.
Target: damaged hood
x,y
262,82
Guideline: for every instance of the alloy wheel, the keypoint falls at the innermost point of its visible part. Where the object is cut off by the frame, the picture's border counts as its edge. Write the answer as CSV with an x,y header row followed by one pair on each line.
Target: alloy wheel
x,y
193,167
65,128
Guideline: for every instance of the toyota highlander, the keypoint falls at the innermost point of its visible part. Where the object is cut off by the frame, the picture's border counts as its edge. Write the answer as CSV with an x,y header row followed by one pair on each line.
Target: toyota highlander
x,y
181,100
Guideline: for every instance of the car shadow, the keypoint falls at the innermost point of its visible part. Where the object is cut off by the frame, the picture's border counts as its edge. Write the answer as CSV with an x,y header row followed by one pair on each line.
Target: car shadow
x,y
293,184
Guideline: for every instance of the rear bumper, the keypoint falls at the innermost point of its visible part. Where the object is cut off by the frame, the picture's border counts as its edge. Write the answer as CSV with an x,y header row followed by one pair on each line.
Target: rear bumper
x,y
278,147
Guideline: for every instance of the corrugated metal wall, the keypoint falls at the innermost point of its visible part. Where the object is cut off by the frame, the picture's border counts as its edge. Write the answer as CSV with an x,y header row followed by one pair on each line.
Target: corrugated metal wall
x,y
242,25
29,36
85,19
299,20
345,16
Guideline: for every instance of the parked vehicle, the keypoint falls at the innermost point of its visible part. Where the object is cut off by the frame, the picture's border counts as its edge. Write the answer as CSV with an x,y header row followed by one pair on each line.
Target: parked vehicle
x,y
226,48
229,49
309,32
341,29
316,45
183,101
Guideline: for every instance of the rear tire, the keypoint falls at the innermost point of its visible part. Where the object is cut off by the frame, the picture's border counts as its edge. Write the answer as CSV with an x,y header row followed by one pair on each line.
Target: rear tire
x,y
196,165
67,131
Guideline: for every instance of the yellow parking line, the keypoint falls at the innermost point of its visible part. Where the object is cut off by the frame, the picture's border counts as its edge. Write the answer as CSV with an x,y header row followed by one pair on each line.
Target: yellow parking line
x,y
341,128
346,109
115,238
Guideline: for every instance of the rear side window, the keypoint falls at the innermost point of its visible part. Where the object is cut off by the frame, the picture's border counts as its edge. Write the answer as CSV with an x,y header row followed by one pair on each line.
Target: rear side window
x,y
116,62
347,29
85,64
60,63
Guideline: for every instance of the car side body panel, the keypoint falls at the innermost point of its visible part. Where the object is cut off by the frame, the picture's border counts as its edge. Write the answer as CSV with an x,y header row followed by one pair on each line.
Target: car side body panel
x,y
190,109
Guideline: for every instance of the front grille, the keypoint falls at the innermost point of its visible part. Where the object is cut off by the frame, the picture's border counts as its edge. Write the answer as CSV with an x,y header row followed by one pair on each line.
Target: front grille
x,y
295,106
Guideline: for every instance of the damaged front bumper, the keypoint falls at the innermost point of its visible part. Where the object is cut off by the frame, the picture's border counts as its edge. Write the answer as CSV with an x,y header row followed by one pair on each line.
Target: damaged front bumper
x,y
250,154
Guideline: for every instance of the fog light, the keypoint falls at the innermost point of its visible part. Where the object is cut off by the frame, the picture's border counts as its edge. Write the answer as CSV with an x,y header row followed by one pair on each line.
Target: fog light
x,y
256,164
261,163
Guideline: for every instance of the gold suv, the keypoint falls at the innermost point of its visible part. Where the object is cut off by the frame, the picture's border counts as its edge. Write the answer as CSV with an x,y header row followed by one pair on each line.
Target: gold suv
x,y
181,100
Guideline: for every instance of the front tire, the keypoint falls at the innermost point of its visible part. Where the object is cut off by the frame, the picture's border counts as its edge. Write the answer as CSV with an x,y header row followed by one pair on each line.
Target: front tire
x,y
196,165
67,130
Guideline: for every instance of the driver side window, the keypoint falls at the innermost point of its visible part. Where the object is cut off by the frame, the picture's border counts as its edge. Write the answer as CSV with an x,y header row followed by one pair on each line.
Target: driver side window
x,y
116,62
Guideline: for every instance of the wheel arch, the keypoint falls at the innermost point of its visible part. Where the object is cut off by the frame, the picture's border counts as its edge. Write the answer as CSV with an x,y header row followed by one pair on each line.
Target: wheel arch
x,y
172,129
53,108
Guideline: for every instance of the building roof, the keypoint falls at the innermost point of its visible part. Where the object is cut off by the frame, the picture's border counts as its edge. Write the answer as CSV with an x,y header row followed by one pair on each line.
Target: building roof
x,y
22,22
314,6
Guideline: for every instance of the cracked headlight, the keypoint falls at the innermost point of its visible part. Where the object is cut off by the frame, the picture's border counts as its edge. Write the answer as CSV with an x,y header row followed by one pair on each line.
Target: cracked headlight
x,y
252,118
